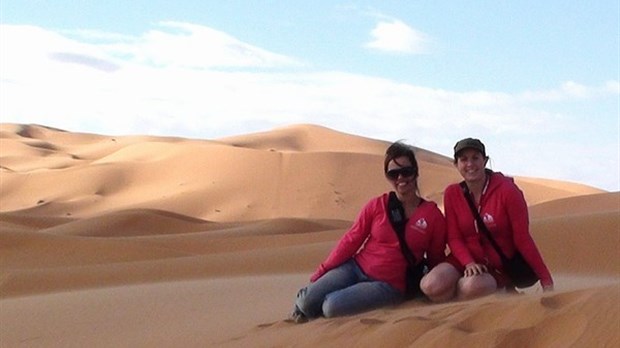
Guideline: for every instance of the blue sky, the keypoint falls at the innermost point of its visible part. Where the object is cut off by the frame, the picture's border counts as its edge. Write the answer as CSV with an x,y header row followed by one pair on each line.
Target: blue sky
x,y
538,82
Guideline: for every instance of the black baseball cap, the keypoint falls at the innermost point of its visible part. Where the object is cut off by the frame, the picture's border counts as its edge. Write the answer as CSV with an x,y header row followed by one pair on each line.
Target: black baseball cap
x,y
469,143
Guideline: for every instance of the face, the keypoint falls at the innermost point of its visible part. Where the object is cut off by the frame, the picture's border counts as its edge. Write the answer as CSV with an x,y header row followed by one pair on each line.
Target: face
x,y
471,165
401,175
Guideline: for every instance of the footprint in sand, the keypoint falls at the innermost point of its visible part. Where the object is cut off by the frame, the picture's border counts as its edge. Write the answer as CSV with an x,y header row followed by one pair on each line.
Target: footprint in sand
x,y
560,300
370,321
262,326
550,302
417,318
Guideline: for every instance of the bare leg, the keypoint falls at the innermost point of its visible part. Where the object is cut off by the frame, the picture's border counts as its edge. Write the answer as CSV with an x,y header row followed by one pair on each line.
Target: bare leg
x,y
476,286
439,285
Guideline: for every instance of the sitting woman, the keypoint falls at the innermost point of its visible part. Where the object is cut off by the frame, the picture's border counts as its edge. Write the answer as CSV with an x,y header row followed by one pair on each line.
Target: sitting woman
x,y
366,269
474,267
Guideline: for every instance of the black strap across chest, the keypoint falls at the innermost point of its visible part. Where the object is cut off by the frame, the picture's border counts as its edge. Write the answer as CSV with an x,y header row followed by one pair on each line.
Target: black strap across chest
x,y
481,226
396,214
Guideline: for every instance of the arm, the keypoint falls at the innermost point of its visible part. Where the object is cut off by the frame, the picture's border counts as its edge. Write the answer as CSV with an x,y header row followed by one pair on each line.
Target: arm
x,y
456,241
437,247
349,244
516,208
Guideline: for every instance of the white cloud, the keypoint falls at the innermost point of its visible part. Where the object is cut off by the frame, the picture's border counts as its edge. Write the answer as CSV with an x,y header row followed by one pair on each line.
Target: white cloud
x,y
571,90
160,84
170,44
395,36
195,46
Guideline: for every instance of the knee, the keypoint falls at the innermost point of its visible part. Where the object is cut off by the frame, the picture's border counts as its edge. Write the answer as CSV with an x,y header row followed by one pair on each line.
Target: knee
x,y
437,289
432,285
330,309
440,282
468,289
476,286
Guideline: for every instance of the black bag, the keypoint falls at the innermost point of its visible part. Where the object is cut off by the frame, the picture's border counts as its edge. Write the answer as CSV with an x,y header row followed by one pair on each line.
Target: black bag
x,y
519,271
414,273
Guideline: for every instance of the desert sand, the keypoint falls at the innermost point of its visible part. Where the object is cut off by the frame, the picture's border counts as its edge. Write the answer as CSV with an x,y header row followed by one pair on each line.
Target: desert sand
x,y
145,241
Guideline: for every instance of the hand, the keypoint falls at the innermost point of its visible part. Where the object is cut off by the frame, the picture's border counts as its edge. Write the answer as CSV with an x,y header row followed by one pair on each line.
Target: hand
x,y
317,274
474,269
547,288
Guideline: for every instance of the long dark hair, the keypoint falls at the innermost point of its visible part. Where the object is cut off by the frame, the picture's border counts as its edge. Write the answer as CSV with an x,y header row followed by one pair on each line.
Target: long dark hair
x,y
400,149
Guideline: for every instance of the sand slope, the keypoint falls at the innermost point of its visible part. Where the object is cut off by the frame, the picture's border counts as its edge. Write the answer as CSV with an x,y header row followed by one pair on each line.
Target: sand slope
x,y
161,241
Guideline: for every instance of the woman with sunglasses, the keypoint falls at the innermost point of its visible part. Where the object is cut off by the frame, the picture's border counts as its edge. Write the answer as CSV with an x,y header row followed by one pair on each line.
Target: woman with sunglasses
x,y
474,268
366,269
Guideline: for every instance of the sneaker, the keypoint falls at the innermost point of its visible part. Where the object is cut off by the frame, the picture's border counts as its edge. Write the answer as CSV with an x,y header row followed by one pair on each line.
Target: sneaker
x,y
297,317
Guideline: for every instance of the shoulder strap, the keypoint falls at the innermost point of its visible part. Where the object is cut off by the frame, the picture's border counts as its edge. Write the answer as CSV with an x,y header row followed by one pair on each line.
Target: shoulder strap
x,y
479,220
396,214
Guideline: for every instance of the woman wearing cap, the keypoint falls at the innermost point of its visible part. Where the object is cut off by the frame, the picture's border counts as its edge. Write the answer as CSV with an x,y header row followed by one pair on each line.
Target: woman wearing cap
x,y
474,268
366,269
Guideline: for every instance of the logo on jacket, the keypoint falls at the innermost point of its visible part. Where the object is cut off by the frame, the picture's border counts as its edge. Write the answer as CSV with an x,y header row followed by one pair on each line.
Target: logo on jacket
x,y
421,225
488,219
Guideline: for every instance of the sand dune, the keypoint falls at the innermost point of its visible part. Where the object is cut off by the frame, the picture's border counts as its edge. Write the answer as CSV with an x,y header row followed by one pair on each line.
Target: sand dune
x,y
579,205
572,318
160,241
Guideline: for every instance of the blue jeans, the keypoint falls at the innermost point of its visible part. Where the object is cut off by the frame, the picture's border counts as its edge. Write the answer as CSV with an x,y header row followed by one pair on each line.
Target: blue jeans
x,y
345,290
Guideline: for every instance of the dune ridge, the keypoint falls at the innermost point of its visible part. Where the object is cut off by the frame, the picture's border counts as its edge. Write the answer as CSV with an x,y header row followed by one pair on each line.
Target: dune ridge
x,y
164,241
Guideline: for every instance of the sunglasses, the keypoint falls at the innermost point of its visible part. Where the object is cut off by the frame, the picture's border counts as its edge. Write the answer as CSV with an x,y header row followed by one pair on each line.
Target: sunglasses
x,y
405,172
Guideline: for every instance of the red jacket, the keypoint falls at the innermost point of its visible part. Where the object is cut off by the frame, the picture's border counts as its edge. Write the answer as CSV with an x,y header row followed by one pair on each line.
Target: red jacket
x,y
504,211
373,243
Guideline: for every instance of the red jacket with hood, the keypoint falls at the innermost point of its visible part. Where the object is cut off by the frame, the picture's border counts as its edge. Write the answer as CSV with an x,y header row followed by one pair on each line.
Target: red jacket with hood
x,y
504,211
373,243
